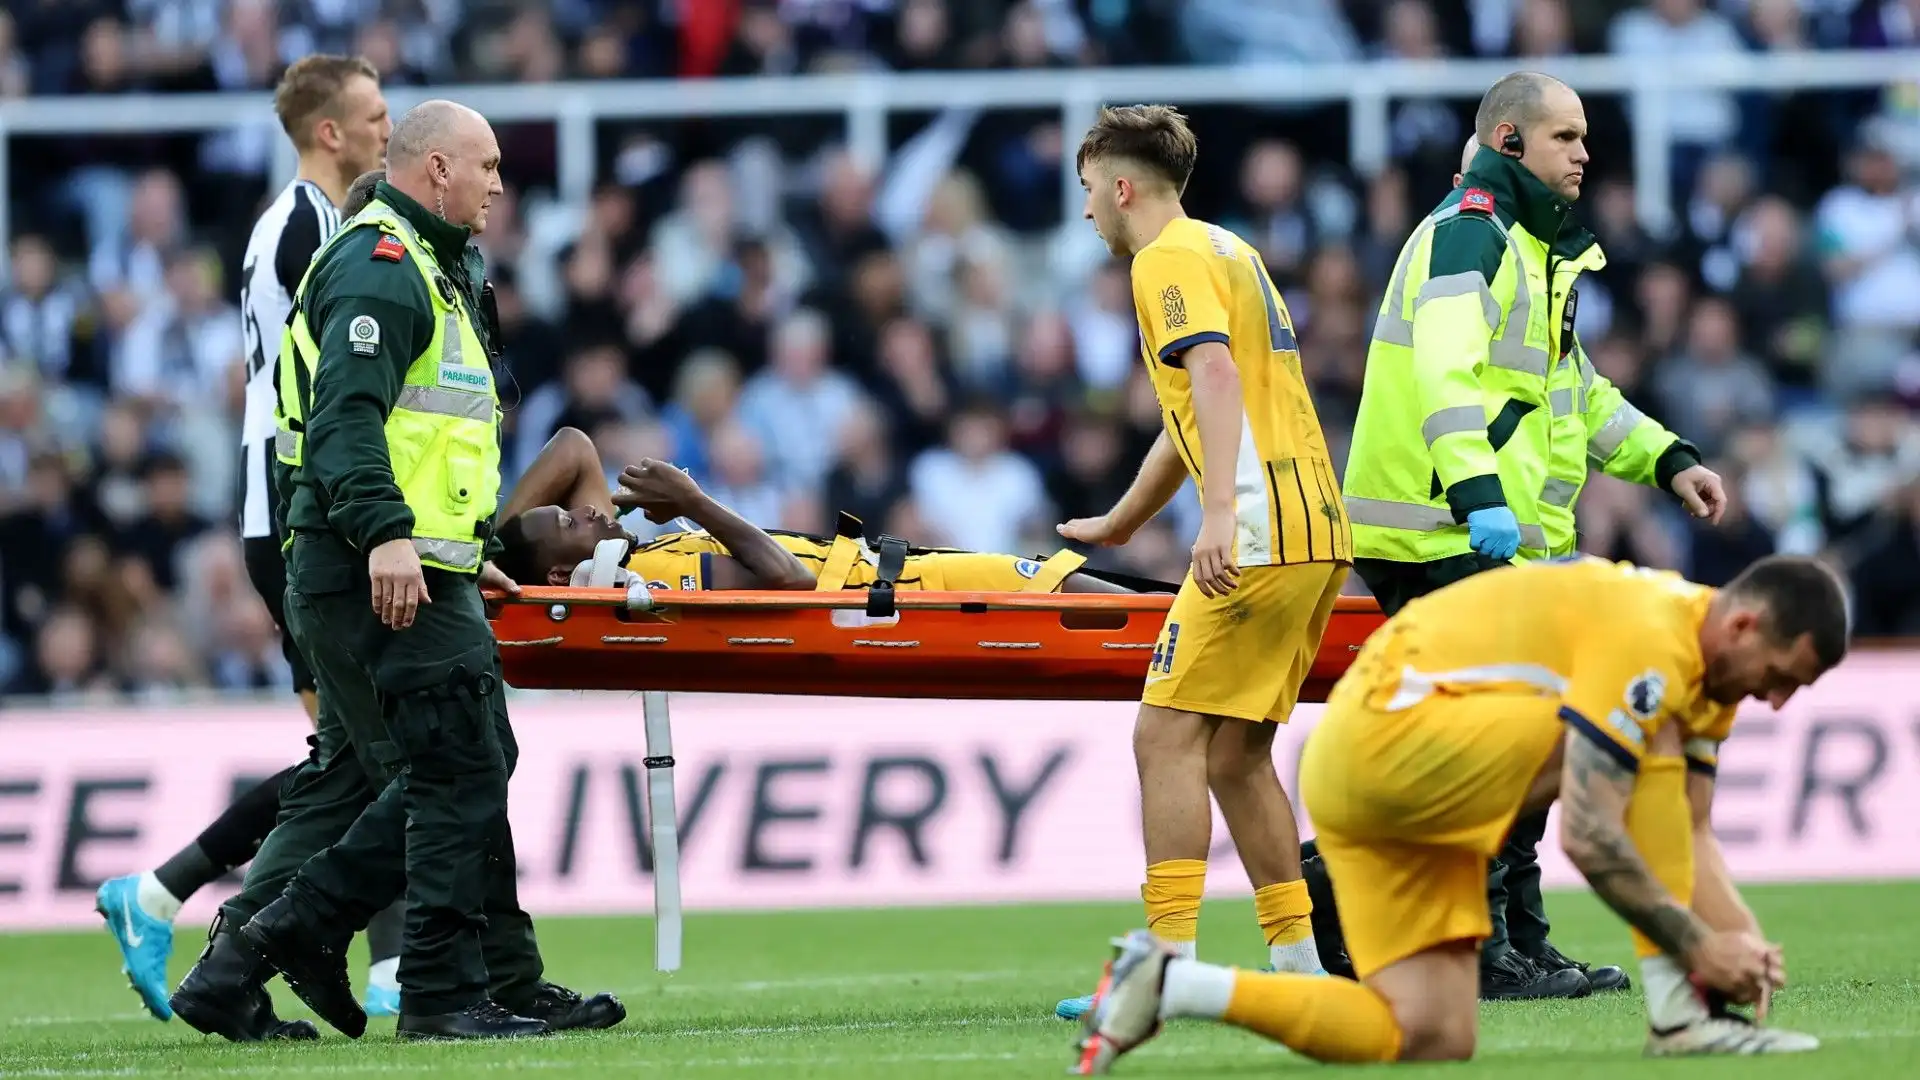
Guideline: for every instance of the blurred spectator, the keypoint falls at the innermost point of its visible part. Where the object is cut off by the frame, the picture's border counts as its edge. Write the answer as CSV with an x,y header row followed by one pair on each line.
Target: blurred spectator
x,y
867,480
799,402
706,395
1780,295
1669,32
979,495
1868,231
913,386
1713,387
185,342
1859,467
159,534
740,477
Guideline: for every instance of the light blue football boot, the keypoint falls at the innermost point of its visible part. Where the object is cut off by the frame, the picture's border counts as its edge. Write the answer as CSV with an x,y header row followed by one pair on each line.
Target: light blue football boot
x,y
1073,1008
382,1001
146,943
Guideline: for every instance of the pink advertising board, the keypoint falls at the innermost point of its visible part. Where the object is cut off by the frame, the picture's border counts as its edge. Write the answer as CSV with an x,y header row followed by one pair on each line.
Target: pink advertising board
x,y
796,802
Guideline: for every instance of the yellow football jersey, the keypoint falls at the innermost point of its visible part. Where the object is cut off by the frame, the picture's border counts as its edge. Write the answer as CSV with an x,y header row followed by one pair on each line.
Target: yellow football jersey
x,y
1198,283
1617,644
685,561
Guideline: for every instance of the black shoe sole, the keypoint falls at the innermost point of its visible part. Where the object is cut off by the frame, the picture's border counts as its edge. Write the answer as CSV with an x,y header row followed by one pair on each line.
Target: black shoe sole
x,y
439,1036
311,987
232,1022
1537,991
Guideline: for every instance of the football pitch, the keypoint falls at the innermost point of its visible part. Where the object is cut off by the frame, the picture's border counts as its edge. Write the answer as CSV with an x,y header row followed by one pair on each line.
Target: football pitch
x,y
962,992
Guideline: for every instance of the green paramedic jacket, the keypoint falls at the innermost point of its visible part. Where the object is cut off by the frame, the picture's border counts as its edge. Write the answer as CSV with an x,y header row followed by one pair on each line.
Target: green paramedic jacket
x,y
351,461
1477,393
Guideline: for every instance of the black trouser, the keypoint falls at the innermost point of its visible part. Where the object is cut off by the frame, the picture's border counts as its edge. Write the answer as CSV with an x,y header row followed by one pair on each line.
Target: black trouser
x,y
1518,910
438,829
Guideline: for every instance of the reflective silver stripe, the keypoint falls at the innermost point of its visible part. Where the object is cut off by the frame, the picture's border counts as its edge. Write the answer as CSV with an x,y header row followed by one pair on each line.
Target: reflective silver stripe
x,y
450,347
1509,351
1415,517
286,444
1558,492
443,402
1453,420
1470,283
1561,401
1614,432
464,554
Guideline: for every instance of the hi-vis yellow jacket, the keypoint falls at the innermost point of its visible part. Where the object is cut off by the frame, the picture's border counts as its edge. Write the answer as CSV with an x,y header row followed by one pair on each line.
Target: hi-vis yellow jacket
x,y
1476,391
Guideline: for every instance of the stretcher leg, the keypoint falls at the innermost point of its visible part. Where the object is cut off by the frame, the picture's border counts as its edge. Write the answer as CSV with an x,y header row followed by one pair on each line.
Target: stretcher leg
x,y
665,832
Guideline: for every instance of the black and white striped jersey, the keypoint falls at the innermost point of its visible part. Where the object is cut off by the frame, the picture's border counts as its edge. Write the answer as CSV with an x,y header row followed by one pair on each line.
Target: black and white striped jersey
x,y
283,242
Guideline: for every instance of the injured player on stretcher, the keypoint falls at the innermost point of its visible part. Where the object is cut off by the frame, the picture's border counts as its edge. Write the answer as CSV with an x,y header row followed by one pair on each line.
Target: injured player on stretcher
x,y
561,510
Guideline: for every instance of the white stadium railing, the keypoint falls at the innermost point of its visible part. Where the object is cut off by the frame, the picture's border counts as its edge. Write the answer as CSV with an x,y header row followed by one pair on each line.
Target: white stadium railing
x,y
866,100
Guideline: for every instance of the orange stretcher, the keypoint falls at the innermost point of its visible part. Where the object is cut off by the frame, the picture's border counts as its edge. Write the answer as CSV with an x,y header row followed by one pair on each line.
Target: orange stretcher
x,y
1035,647
860,643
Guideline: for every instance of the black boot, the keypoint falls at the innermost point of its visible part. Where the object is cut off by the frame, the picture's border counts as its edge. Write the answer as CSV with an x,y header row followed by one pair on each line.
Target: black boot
x,y
1327,937
226,993
1600,979
1513,977
312,961
484,1020
564,1010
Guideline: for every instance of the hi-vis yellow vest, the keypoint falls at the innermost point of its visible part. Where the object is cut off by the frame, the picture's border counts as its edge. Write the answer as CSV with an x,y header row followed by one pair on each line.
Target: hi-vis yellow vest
x,y
1523,396
443,431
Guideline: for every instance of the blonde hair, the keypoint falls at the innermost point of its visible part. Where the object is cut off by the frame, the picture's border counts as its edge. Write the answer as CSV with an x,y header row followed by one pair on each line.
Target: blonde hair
x,y
310,90
1156,136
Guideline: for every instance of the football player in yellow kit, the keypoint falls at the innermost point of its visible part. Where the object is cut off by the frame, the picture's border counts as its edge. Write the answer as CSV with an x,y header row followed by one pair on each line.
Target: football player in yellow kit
x,y
561,510
1601,684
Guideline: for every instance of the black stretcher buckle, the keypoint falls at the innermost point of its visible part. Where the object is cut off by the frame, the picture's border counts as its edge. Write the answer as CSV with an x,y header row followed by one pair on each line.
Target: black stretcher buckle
x,y
893,560
663,762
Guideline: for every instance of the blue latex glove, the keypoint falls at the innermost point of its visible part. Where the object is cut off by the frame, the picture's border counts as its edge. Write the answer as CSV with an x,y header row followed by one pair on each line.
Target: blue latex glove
x,y
1494,532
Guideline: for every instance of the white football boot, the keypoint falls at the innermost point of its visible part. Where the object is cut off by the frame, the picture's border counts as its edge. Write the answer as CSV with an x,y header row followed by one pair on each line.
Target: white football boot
x,y
1727,1034
1126,1004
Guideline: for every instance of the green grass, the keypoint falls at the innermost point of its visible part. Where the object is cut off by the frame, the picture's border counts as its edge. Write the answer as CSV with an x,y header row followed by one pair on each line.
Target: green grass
x,y
962,992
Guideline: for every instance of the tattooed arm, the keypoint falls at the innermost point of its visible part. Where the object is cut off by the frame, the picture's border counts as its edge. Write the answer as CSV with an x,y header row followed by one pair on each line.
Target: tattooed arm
x,y
1595,788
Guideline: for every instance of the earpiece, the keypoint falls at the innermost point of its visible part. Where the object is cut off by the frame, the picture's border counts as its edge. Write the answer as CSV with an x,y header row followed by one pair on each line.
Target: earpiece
x,y
1512,144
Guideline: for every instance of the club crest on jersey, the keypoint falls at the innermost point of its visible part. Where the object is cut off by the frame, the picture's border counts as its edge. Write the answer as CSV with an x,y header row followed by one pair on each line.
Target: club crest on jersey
x,y
1173,307
1644,695
389,248
1026,568
1477,200
363,335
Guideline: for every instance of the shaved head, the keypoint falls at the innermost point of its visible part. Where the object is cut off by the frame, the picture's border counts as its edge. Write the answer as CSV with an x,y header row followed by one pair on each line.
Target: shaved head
x,y
426,127
1549,122
1519,100
443,155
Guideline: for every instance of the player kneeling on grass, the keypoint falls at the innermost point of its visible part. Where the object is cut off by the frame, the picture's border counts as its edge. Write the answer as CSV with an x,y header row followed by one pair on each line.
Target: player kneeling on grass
x,y
561,511
1601,684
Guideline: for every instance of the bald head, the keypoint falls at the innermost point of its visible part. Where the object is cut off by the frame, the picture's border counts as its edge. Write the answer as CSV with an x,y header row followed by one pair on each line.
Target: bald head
x,y
443,155
428,126
1549,119
1518,99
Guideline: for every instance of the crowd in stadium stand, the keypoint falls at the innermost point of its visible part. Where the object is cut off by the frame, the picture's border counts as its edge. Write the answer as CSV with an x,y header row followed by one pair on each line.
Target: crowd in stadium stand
x,y
927,345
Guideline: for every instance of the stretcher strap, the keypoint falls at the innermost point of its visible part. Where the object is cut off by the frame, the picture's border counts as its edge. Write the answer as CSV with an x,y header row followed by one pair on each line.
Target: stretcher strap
x,y
893,560
1054,571
842,557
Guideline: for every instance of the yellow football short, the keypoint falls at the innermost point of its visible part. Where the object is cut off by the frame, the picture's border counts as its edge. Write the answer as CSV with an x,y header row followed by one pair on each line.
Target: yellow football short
x,y
1245,654
1410,805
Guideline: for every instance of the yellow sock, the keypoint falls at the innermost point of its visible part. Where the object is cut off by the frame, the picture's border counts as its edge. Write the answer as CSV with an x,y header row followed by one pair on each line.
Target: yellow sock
x,y
1285,912
1660,823
1172,895
1325,1018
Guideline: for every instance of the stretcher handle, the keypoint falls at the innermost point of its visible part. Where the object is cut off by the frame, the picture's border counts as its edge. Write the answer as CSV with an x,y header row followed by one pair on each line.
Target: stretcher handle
x,y
856,599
